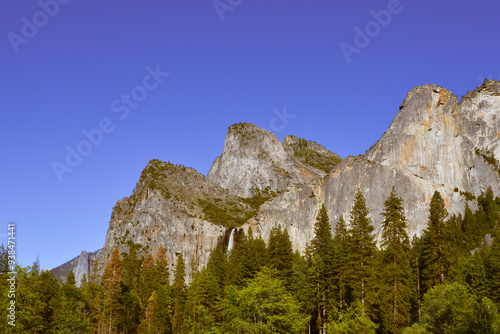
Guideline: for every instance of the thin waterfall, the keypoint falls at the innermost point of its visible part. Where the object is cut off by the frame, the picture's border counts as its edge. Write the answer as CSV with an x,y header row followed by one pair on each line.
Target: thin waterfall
x,y
231,242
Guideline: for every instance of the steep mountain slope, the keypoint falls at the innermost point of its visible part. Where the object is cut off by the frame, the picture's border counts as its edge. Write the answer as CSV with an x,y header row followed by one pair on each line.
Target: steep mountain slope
x,y
433,143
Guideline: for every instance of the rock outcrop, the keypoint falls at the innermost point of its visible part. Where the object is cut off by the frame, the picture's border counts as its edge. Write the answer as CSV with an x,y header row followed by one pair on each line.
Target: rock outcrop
x,y
253,159
79,265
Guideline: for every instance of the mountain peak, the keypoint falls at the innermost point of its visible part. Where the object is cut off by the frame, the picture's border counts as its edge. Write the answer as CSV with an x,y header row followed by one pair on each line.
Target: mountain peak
x,y
488,87
253,159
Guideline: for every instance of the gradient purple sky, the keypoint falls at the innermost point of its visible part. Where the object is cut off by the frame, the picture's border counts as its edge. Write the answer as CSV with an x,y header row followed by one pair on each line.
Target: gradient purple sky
x,y
263,56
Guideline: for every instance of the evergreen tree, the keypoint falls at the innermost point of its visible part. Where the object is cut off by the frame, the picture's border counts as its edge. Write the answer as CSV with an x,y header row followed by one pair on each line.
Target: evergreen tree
x,y
179,293
435,249
490,208
253,254
92,293
157,315
263,306
131,266
70,279
469,228
72,314
321,269
453,309
217,265
237,269
162,273
416,267
474,272
395,270
494,281
148,279
352,321
281,253
202,301
112,284
362,253
341,265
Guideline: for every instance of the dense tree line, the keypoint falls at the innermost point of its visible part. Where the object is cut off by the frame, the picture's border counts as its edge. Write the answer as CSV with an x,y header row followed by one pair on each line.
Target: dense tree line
x,y
446,281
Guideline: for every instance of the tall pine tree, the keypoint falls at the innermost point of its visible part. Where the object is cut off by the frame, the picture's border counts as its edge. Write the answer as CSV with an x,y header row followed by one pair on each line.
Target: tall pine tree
x,y
342,249
395,266
362,252
494,282
179,293
281,253
321,269
435,250
112,283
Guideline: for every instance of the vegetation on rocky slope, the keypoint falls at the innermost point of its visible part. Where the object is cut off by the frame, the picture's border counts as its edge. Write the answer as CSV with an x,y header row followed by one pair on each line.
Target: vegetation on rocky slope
x,y
312,157
188,192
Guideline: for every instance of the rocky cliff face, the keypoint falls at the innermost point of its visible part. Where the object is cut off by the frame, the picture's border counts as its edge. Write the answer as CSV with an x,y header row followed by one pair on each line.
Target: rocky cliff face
x,y
254,158
177,208
80,266
433,143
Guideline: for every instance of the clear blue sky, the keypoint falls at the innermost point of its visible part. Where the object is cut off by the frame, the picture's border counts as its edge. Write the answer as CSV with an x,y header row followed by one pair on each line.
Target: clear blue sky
x,y
68,75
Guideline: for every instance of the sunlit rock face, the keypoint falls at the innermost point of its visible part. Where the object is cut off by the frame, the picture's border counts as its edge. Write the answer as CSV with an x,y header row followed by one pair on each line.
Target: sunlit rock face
x,y
254,158
433,143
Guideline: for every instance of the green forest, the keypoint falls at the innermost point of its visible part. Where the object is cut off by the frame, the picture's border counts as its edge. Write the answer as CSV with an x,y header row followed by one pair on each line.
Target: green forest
x,y
445,281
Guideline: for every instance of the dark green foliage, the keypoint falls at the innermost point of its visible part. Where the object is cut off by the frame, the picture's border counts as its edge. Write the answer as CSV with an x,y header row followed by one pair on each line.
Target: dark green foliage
x,y
395,266
131,266
321,269
317,160
179,293
352,321
217,265
494,268
489,157
435,248
202,299
362,253
314,158
341,266
280,251
264,306
220,215
453,309
71,278
233,215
